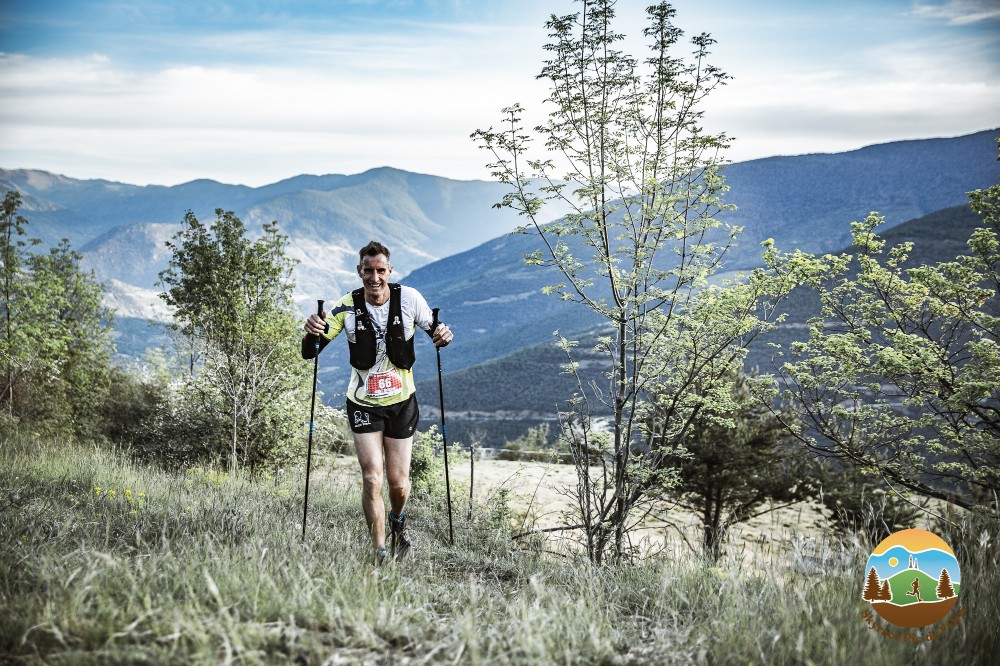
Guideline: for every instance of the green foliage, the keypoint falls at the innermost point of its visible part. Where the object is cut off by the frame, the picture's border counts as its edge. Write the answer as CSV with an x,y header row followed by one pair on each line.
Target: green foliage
x,y
860,508
427,479
332,429
538,444
734,464
56,344
623,147
900,375
246,390
12,259
137,411
72,340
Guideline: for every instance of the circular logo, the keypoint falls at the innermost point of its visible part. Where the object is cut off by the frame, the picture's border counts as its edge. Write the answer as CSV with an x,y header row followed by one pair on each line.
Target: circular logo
x,y
912,579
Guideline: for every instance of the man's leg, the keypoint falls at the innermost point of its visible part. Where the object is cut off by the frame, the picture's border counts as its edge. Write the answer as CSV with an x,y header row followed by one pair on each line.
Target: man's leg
x,y
397,470
369,449
397,467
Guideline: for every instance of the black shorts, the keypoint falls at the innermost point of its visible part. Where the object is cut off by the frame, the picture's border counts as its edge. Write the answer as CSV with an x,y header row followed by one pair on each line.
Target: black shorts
x,y
398,421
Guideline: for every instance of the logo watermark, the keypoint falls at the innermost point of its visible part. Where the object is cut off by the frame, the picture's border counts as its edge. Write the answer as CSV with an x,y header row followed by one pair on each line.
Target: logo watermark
x,y
912,581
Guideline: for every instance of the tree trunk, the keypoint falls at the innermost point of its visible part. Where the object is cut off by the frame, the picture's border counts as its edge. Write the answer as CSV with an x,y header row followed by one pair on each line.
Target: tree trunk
x,y
232,463
621,445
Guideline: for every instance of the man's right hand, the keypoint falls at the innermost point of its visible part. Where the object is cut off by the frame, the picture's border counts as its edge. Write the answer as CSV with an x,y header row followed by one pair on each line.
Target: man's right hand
x,y
316,324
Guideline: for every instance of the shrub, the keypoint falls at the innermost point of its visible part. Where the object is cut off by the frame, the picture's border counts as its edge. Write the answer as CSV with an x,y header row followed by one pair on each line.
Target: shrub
x,y
862,508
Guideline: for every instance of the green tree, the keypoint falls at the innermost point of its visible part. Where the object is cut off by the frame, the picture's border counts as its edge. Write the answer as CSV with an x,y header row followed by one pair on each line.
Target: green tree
x,y
735,464
56,343
623,147
13,257
900,375
71,348
232,301
199,286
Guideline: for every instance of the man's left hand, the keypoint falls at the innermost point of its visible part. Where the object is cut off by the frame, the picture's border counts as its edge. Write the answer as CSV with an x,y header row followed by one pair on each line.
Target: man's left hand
x,y
442,335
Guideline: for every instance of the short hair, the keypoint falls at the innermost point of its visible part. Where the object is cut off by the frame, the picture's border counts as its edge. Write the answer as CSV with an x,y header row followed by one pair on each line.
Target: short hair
x,y
373,249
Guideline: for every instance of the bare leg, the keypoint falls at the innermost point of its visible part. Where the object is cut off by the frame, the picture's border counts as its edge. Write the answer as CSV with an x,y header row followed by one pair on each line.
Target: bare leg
x,y
397,470
369,449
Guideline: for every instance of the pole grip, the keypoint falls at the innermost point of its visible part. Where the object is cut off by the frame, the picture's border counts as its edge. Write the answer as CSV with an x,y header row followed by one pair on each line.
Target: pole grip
x,y
319,311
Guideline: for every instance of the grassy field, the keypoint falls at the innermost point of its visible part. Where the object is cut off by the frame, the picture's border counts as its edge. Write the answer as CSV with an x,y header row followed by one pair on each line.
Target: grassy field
x,y
106,562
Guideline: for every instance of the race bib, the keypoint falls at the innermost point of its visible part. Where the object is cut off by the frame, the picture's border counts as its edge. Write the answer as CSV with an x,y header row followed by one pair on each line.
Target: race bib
x,y
384,384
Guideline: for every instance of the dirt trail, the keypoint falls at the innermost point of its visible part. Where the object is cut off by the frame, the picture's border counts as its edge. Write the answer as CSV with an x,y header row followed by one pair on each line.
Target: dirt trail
x,y
539,497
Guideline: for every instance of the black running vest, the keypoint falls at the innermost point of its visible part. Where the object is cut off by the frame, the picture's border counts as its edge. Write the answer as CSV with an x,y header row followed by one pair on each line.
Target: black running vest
x,y
364,347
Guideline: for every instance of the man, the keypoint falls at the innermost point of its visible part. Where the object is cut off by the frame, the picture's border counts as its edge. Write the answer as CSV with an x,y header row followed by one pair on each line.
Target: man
x,y
380,319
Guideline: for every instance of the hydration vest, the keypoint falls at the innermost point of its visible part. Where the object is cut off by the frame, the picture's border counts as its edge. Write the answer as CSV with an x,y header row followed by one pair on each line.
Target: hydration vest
x,y
365,345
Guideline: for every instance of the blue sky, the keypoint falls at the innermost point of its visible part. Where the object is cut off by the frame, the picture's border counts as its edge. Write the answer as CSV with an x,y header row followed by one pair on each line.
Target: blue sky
x,y
253,92
931,562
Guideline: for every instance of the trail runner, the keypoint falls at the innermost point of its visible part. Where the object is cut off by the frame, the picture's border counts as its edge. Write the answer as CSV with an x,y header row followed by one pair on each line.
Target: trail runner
x,y
380,319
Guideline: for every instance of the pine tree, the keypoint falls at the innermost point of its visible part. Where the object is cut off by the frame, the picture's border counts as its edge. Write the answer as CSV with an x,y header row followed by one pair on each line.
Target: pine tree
x,y
873,590
944,588
735,464
885,594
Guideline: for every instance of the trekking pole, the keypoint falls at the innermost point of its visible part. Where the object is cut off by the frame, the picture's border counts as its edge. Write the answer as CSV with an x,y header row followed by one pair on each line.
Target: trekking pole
x,y
312,414
444,430
472,475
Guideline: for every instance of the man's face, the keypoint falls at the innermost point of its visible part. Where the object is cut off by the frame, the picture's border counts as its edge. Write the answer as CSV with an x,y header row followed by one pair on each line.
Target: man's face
x,y
375,272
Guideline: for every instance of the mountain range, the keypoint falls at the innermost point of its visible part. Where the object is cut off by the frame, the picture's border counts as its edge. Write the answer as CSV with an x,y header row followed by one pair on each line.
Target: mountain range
x,y
805,202
450,242
121,229
527,386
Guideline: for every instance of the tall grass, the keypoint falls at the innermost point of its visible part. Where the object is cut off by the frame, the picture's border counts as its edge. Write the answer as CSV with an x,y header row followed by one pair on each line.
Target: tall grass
x,y
203,568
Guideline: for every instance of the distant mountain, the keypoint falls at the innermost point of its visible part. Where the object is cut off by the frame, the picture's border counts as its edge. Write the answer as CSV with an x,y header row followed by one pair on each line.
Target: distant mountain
x,y
495,302
449,241
524,387
121,228
807,202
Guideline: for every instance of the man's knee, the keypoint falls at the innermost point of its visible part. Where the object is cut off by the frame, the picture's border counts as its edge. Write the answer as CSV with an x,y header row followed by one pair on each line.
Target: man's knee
x,y
399,485
398,477
372,482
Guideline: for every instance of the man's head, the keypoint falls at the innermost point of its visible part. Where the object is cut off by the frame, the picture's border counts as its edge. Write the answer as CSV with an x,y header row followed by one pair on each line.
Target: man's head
x,y
373,249
374,271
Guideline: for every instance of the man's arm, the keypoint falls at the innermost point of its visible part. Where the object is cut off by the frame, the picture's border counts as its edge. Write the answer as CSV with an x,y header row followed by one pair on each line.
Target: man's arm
x,y
423,317
309,341
326,326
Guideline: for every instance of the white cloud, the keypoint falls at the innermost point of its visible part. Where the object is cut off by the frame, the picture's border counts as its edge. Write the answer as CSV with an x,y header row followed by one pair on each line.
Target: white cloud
x,y
242,124
256,106
959,12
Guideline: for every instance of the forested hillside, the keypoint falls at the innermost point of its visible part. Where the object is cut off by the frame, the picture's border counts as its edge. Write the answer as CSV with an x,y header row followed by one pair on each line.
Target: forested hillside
x,y
527,386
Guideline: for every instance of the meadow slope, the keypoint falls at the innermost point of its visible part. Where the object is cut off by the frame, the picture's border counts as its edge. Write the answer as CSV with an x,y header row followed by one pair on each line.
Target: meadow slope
x,y
103,561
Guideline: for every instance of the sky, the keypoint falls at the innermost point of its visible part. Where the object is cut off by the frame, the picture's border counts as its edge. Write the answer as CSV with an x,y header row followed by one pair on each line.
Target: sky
x,y
165,92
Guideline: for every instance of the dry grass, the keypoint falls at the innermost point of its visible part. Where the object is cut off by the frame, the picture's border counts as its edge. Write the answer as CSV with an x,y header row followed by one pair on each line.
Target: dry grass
x,y
211,569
